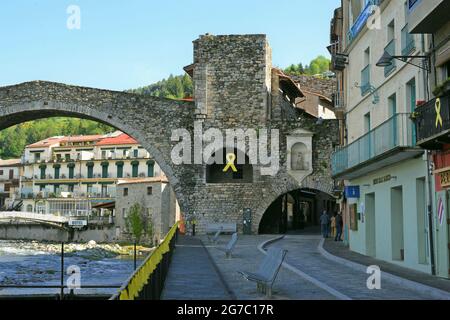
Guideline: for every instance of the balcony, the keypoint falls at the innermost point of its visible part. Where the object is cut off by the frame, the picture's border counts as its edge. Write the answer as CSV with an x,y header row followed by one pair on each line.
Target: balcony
x,y
365,80
408,42
361,20
433,123
390,48
338,100
427,16
387,144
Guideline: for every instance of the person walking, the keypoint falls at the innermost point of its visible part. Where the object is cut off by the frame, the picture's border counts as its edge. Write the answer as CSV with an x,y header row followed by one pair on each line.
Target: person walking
x,y
339,224
324,220
333,225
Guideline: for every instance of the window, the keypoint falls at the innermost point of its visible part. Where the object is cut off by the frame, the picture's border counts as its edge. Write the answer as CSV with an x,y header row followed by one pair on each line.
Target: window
x,y
71,188
1,172
43,172
120,171
244,173
7,187
135,169
125,192
124,213
67,156
37,157
11,174
56,172
149,191
104,154
150,168
58,157
29,208
392,105
135,153
89,189
365,73
90,172
105,171
367,122
71,172
390,47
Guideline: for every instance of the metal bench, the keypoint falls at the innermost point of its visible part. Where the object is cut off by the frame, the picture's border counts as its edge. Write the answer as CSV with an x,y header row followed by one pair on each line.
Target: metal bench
x,y
267,271
230,246
216,236
225,227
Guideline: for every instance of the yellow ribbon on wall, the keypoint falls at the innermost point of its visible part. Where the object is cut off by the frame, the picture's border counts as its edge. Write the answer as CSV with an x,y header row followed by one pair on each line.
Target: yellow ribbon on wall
x,y
231,157
437,107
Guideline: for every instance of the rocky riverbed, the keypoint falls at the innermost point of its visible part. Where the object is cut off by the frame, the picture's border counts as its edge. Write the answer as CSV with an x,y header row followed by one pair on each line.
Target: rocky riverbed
x,y
36,263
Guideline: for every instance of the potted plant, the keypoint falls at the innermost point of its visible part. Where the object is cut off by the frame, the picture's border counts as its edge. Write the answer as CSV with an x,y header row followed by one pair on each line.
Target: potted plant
x,y
443,88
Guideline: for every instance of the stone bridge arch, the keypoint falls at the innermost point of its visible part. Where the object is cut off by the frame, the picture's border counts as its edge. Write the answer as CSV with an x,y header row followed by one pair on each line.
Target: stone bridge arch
x,y
149,120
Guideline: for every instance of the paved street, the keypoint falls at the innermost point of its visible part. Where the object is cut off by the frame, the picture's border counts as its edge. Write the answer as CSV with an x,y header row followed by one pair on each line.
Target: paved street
x,y
192,275
308,275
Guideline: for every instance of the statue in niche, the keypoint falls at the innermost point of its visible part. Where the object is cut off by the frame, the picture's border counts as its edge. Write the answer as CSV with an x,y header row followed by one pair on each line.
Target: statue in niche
x,y
298,157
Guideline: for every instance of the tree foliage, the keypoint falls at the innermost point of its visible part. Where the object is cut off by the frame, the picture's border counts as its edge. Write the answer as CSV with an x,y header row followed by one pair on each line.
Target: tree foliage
x,y
317,66
139,223
174,87
14,139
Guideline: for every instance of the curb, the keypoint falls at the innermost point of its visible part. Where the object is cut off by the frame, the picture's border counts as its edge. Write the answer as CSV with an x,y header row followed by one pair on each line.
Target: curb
x,y
303,275
409,284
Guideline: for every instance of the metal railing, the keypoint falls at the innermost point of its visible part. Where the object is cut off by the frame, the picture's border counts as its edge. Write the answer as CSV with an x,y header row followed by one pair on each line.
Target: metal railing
x,y
408,41
398,131
339,99
432,118
147,282
62,294
390,48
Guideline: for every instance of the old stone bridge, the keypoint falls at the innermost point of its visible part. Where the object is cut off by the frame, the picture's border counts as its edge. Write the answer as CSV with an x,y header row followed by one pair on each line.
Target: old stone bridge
x,y
235,86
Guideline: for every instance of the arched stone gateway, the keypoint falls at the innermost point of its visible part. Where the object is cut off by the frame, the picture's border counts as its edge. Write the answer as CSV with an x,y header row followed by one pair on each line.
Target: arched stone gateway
x,y
235,88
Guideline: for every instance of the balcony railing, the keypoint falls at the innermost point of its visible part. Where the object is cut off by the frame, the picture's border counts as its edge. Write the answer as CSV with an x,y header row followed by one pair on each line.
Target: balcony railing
x,y
408,42
433,122
339,99
390,48
365,80
361,20
398,131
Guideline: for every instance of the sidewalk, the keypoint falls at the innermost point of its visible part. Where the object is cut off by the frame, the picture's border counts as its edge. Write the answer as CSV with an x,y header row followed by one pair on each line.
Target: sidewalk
x,y
340,250
192,274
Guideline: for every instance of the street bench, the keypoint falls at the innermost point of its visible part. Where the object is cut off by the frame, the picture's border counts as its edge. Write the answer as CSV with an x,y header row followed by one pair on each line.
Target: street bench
x,y
228,249
224,227
216,236
267,271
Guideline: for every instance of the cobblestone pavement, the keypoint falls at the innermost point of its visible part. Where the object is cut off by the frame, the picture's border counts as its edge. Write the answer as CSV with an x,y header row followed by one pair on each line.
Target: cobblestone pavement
x,y
192,274
304,255
247,257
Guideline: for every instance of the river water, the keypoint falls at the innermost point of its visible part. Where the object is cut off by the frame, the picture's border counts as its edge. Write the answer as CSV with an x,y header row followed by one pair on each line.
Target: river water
x,y
31,263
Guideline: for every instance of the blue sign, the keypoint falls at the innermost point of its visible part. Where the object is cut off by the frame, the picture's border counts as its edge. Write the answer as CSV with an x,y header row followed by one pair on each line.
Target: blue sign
x,y
352,192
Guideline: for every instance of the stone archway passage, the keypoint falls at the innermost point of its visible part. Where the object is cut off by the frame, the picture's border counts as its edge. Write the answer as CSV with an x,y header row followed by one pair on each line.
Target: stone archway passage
x,y
148,119
296,211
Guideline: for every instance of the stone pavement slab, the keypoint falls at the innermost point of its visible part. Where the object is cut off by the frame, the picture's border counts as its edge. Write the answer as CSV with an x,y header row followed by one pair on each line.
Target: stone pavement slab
x,y
192,274
340,250
247,257
305,256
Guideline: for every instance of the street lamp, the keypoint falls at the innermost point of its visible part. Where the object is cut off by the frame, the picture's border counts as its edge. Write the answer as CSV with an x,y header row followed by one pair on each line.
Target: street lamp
x,y
386,61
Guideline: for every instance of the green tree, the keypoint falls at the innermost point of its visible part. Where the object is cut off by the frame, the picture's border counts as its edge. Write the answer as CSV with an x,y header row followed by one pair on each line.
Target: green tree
x,y
317,66
135,221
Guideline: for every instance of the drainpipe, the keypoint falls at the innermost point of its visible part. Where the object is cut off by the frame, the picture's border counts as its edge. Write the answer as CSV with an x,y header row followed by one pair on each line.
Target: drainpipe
x,y
430,214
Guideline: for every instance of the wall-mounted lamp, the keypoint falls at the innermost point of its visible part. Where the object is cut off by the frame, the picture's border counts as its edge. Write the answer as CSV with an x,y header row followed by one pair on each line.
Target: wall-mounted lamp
x,y
386,61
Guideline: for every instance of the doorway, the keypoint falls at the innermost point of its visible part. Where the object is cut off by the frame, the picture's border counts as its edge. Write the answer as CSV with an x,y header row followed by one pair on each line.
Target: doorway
x,y
397,236
370,225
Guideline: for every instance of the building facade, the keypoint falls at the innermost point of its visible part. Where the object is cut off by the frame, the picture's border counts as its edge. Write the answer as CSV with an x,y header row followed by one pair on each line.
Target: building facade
x,y
432,117
70,175
9,181
155,197
383,173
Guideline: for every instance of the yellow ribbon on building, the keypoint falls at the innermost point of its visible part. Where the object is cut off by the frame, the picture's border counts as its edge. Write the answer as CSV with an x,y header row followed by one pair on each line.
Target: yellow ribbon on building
x,y
231,157
437,107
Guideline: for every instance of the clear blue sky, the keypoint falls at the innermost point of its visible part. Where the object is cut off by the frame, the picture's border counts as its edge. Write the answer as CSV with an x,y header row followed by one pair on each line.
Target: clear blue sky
x,y
127,44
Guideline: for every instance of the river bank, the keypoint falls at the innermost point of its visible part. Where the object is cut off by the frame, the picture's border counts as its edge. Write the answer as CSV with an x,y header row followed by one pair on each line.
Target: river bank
x,y
36,263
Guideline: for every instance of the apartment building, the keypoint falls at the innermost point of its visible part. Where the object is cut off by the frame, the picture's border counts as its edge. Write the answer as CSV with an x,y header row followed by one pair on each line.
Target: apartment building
x,y
382,171
432,118
70,175
9,181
